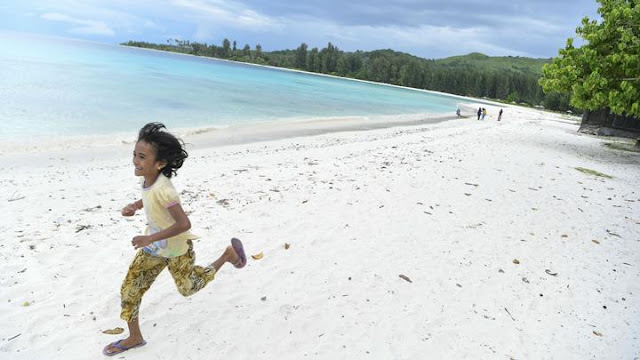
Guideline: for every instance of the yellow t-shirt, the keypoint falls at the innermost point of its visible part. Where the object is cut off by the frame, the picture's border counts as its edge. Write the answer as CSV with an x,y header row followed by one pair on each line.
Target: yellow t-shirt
x,y
156,201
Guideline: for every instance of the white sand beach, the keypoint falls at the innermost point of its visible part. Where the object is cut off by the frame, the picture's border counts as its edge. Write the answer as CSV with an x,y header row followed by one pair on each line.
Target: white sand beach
x,y
511,252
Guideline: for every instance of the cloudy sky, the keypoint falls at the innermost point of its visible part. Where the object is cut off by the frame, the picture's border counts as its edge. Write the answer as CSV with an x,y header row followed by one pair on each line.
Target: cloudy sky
x,y
427,28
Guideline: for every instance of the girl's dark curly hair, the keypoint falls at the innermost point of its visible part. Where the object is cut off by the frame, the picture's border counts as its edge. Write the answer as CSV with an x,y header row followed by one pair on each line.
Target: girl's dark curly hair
x,y
167,147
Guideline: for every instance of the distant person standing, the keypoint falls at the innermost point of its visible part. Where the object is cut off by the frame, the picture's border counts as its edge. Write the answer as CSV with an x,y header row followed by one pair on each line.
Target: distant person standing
x,y
484,113
500,115
479,113
458,112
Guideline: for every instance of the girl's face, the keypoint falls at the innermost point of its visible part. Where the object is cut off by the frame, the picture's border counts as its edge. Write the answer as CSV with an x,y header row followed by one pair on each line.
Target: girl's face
x,y
144,160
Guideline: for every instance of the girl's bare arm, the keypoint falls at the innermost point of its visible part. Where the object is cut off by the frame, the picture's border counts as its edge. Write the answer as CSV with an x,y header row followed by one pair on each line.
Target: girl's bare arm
x,y
131,209
181,225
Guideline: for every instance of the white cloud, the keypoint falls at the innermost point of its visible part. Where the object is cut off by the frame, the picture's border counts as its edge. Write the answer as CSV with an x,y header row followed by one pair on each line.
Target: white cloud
x,y
149,24
81,26
228,13
425,40
444,38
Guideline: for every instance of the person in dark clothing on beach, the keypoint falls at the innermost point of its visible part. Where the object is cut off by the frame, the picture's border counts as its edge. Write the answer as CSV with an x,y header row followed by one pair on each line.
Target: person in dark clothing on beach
x,y
500,115
479,113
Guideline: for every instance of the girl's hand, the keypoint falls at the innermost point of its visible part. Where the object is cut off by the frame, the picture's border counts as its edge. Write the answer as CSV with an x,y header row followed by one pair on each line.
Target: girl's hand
x,y
129,210
141,241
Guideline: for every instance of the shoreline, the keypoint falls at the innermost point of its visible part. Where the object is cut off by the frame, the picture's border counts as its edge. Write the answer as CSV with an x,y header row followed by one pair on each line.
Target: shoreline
x,y
206,137
279,127
104,147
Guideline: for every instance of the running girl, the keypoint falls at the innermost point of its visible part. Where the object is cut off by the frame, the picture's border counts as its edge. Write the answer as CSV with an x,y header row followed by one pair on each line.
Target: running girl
x,y
167,241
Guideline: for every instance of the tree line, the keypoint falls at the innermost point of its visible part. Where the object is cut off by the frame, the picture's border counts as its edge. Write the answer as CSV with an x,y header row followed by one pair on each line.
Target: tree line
x,y
512,79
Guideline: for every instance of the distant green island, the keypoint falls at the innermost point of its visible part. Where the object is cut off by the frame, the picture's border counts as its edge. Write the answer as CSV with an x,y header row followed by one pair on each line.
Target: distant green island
x,y
507,78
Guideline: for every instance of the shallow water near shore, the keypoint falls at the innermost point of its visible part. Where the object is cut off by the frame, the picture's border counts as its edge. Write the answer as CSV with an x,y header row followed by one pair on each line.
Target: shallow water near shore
x,y
58,87
41,152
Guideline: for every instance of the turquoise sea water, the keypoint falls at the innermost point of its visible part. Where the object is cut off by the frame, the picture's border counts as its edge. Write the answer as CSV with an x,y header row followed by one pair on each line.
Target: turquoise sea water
x,y
56,87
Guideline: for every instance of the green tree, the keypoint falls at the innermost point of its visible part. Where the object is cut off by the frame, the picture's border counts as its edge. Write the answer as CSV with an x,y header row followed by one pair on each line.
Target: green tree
x,y
329,58
557,101
604,73
226,48
258,54
353,62
380,69
301,56
513,97
411,74
342,67
314,60
214,51
196,48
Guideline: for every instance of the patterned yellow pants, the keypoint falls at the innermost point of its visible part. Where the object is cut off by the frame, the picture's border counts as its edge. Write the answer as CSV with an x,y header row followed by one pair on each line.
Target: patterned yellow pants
x,y
144,269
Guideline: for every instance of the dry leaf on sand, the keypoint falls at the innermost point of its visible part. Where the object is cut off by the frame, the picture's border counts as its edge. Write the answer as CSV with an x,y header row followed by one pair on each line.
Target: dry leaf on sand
x,y
114,331
258,256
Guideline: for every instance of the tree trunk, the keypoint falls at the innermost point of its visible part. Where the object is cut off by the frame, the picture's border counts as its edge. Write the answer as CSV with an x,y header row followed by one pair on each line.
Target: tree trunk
x,y
602,122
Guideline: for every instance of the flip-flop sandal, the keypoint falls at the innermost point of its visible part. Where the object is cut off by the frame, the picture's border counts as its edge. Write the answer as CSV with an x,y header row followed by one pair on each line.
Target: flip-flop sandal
x,y
120,348
239,249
